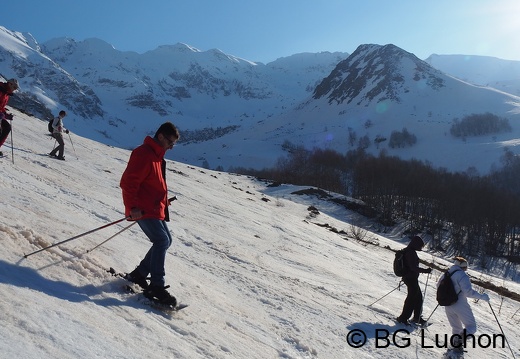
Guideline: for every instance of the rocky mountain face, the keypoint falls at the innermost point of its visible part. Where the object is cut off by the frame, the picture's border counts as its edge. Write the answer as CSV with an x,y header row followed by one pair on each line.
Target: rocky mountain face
x,y
375,73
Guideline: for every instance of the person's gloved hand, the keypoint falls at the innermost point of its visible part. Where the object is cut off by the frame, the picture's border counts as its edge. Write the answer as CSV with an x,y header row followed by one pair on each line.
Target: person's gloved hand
x,y
66,131
428,270
8,116
136,213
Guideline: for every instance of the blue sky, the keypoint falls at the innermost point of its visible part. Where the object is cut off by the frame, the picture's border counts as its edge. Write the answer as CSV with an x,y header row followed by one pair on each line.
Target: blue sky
x,y
264,30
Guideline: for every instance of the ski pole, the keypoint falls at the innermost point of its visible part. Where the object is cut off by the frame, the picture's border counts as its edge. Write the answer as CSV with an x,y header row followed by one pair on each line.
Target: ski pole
x,y
507,341
393,290
434,309
118,233
12,144
70,138
76,237
426,286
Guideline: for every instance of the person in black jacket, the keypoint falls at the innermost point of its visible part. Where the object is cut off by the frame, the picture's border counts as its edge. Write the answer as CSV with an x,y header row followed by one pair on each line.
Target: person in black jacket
x,y
414,299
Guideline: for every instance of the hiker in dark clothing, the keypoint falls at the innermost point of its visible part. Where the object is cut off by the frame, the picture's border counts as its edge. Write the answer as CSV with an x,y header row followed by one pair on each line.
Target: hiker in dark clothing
x,y
414,299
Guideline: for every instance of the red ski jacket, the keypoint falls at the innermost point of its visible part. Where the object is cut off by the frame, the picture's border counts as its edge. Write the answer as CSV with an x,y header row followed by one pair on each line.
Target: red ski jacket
x,y
144,181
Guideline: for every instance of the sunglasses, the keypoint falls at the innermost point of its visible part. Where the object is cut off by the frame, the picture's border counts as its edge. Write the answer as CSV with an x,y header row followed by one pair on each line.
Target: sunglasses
x,y
170,142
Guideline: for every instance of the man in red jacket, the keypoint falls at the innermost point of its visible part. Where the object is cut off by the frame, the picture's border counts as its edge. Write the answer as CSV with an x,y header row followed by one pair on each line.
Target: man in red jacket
x,y
145,196
6,90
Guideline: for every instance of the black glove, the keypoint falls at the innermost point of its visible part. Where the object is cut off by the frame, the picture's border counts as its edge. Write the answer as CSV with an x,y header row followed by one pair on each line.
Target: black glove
x,y
428,270
67,131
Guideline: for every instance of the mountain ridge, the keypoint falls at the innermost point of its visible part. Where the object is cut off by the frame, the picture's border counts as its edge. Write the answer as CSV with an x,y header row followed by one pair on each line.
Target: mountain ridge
x,y
114,97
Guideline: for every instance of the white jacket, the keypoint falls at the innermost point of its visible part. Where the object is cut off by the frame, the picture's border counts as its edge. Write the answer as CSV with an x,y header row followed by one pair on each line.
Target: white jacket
x,y
462,284
57,125
460,314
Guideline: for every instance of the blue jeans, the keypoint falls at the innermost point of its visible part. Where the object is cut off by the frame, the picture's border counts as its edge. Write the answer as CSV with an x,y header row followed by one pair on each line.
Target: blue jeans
x,y
153,263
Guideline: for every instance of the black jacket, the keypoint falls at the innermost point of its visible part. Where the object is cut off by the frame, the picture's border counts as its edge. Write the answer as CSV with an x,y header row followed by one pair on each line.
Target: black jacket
x,y
411,258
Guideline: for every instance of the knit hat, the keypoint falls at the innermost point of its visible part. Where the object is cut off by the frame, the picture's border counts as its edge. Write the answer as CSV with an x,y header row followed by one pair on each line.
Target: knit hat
x,y
461,262
416,243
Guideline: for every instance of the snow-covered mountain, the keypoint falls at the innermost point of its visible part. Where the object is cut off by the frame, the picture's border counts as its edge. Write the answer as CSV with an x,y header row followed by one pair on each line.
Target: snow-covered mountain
x,y
267,273
45,85
380,89
234,112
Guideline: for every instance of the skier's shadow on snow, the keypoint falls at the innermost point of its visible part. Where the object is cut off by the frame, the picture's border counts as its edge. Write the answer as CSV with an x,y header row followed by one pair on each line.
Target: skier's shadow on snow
x,y
30,278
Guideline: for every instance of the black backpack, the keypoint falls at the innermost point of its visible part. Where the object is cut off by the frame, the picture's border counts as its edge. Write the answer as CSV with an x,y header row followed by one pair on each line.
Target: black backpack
x,y
400,267
446,294
49,125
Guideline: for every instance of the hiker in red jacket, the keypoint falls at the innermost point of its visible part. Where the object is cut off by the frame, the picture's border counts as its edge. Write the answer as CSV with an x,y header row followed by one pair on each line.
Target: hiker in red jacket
x,y
145,196
6,90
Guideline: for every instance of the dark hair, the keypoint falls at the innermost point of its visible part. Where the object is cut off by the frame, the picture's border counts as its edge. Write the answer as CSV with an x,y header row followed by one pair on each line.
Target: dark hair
x,y
63,113
168,129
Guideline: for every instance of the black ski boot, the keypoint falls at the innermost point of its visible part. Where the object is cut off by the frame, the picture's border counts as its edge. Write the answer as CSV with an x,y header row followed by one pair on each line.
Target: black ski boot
x,y
160,295
137,278
402,321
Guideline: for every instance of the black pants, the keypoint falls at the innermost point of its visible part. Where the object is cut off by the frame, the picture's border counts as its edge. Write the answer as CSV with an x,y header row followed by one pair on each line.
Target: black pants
x,y
414,299
61,145
5,129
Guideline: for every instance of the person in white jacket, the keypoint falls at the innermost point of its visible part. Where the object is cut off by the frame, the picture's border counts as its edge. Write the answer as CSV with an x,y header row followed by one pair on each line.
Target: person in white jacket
x,y
460,315
57,133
